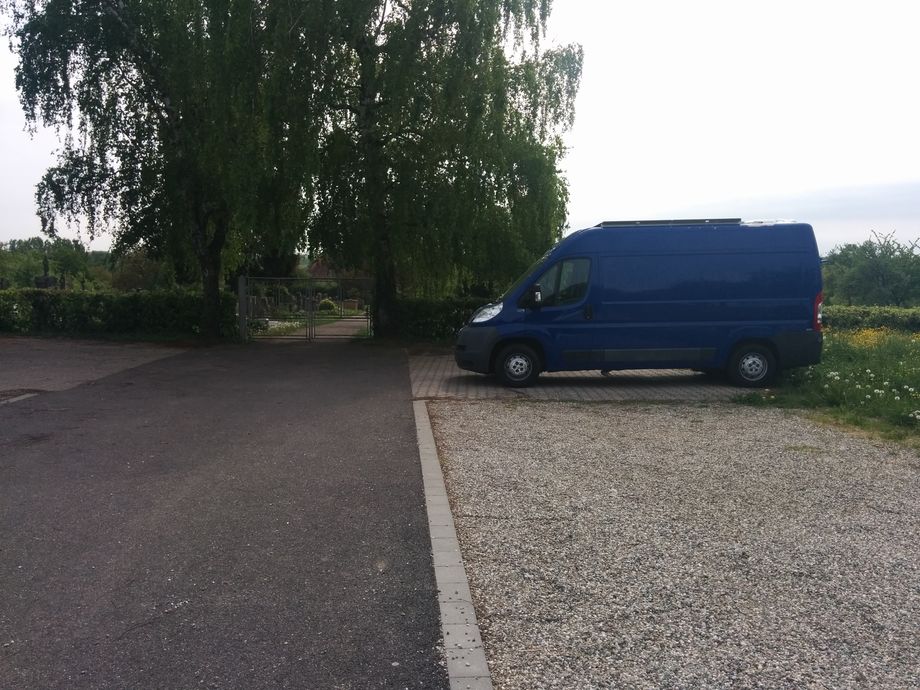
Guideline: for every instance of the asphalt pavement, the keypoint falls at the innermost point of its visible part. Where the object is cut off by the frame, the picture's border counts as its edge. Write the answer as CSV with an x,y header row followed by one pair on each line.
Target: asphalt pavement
x,y
235,517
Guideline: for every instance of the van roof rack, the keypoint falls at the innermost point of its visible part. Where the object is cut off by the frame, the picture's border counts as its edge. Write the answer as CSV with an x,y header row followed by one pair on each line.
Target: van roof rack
x,y
695,221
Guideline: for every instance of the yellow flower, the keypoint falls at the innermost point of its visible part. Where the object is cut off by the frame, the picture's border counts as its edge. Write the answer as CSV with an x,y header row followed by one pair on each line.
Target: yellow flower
x,y
867,338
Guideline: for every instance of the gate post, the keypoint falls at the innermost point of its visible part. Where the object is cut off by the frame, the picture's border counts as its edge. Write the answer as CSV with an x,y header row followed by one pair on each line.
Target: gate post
x,y
311,314
242,308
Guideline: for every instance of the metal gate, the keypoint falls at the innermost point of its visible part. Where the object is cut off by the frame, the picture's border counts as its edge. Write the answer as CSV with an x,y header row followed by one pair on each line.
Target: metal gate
x,y
305,308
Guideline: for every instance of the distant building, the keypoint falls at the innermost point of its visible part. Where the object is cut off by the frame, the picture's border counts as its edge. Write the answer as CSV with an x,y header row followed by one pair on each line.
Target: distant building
x,y
323,268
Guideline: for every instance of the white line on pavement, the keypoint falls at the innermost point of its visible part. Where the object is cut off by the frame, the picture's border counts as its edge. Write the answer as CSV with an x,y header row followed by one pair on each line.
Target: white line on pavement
x,y
18,398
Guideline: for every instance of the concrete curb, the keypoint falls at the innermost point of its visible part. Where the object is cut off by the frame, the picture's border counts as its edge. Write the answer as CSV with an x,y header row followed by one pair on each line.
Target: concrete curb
x,y
467,668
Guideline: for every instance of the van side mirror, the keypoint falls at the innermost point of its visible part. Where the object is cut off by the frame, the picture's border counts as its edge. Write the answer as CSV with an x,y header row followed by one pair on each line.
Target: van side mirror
x,y
536,296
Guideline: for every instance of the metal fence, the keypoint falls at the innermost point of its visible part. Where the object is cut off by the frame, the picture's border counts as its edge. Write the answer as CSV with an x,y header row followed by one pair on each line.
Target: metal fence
x,y
305,309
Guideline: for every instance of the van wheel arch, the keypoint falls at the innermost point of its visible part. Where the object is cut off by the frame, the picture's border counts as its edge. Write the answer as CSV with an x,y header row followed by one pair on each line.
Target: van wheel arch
x,y
529,342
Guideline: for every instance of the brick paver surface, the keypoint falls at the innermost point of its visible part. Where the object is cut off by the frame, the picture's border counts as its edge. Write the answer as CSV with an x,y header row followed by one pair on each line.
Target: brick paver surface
x,y
438,377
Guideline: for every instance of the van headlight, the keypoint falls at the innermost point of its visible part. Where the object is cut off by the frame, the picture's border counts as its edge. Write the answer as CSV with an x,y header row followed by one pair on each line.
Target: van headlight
x,y
490,311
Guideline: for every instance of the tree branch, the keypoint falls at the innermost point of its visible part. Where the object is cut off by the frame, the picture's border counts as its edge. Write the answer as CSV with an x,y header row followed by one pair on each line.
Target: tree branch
x,y
144,58
383,17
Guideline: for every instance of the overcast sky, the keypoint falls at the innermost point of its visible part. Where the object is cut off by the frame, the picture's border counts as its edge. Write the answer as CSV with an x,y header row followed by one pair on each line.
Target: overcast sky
x,y
807,109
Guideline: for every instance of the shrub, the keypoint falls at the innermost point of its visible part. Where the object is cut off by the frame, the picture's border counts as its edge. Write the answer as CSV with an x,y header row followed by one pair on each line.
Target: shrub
x,y
172,312
433,319
326,305
895,318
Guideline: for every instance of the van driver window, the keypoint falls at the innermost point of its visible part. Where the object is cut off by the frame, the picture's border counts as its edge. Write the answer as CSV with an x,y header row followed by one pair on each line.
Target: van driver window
x,y
565,282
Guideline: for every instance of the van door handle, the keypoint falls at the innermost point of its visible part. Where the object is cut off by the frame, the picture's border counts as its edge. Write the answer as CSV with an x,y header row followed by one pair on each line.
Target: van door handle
x,y
589,312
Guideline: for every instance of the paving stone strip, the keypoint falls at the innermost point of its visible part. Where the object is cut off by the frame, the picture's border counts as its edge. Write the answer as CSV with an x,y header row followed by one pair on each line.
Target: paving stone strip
x,y
466,661
438,377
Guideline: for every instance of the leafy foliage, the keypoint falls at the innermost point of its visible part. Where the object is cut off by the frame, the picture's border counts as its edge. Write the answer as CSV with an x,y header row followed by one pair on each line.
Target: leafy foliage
x,y
440,161
134,270
419,140
326,305
185,129
22,261
895,318
433,319
173,313
880,271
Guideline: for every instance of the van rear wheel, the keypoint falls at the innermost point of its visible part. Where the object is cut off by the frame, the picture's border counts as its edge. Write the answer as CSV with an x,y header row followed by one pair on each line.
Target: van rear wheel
x,y
517,366
752,366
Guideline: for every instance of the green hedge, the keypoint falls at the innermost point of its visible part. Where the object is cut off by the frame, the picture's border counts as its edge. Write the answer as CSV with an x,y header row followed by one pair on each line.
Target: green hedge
x,y
896,318
440,319
172,312
434,319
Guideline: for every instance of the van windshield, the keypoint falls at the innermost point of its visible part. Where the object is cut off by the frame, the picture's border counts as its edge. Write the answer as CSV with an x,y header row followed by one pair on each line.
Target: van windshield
x,y
525,275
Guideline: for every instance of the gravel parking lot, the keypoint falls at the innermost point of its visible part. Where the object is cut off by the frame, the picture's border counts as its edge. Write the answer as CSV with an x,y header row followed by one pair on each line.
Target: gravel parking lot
x,y
689,545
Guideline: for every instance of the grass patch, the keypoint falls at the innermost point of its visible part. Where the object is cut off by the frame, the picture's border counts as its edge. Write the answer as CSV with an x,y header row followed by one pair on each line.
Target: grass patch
x,y
868,378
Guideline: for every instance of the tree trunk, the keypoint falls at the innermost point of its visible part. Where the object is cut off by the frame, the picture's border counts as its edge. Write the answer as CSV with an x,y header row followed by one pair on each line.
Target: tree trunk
x,y
210,284
209,258
375,185
384,261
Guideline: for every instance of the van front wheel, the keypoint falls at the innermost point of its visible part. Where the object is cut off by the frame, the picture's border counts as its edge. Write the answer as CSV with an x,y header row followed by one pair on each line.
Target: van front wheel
x,y
752,366
517,366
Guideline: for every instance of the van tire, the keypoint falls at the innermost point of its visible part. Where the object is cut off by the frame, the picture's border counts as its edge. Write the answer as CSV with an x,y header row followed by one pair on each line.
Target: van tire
x,y
752,365
517,366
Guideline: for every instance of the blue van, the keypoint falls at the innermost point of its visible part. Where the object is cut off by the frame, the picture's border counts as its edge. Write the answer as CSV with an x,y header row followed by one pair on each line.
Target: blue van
x,y
716,295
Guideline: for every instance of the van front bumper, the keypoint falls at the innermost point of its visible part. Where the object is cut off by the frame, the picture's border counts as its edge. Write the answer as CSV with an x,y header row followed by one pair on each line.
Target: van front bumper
x,y
473,349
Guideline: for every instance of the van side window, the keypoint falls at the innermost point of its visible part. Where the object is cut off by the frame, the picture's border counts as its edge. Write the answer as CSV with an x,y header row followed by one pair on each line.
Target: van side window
x,y
565,282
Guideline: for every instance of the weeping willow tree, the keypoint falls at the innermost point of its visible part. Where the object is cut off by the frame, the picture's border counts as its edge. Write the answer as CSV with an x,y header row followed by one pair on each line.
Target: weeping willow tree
x,y
188,127
419,139
442,142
